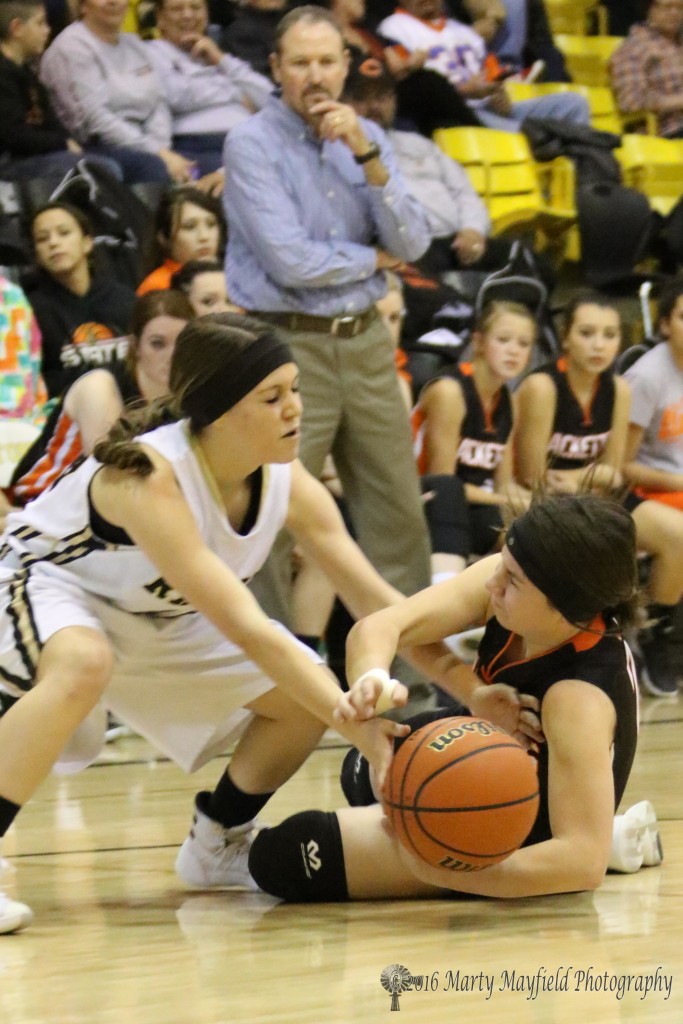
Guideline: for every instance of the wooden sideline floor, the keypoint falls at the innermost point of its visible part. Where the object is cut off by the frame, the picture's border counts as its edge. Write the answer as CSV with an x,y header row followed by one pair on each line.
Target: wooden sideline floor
x,y
119,940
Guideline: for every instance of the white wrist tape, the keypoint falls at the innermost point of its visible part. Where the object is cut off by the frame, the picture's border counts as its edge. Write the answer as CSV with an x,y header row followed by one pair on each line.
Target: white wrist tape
x,y
385,700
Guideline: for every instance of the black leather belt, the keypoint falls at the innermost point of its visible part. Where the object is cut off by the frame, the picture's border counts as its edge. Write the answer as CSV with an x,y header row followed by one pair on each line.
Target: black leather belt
x,y
337,326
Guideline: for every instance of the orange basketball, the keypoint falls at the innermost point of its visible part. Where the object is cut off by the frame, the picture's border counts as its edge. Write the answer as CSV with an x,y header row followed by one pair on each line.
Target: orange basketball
x,y
461,794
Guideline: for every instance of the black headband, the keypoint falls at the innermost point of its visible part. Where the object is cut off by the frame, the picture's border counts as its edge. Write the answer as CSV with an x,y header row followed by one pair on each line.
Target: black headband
x,y
564,594
212,398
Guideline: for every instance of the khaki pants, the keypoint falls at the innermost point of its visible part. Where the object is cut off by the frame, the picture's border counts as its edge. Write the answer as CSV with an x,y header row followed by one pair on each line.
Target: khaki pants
x,y
353,409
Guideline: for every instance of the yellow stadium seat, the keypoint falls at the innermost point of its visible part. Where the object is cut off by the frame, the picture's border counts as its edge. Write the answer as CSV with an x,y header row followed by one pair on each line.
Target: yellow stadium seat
x,y
587,57
578,17
603,107
503,172
654,167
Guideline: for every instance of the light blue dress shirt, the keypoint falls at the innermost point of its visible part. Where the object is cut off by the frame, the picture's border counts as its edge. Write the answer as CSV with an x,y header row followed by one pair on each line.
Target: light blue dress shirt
x,y
303,221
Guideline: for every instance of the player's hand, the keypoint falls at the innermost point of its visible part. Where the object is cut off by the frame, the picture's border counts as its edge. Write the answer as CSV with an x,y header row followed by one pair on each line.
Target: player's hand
x,y
372,694
516,713
375,740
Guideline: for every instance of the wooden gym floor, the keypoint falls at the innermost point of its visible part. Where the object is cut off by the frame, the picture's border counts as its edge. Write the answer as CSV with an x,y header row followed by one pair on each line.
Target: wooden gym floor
x,y
117,938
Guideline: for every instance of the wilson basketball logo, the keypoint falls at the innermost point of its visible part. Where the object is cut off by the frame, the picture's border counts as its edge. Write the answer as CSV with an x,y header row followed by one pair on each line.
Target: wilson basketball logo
x,y
478,728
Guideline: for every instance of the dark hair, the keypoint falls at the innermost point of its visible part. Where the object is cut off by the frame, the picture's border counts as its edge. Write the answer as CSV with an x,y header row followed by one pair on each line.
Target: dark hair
x,y
80,216
583,548
170,211
585,297
368,78
307,12
671,292
204,350
11,9
183,278
168,302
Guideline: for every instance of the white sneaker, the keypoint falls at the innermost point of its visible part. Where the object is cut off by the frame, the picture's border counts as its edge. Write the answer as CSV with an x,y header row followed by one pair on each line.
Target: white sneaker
x,y
214,857
636,841
13,916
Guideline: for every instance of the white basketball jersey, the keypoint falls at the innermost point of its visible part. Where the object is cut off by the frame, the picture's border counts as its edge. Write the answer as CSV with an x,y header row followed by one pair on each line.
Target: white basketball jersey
x,y
54,534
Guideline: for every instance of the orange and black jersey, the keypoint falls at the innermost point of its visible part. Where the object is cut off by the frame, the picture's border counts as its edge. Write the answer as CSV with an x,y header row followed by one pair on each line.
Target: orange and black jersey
x,y
579,434
58,446
484,432
601,659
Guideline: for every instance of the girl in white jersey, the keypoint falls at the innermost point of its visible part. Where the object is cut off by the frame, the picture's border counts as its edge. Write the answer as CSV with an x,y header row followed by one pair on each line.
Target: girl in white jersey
x,y
127,578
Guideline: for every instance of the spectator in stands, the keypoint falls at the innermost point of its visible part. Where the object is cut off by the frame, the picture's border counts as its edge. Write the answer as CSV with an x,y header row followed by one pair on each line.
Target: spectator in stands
x,y
82,314
458,53
106,92
518,33
647,69
571,434
622,15
208,91
189,226
458,221
654,454
22,392
33,142
426,99
203,282
251,33
91,405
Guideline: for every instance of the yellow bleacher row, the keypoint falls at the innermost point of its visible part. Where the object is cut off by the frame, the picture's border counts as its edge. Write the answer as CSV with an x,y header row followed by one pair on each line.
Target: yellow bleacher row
x,y
521,193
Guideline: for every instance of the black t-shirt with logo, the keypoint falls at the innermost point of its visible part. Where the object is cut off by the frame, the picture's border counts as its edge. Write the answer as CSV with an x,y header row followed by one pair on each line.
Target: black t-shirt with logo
x,y
80,332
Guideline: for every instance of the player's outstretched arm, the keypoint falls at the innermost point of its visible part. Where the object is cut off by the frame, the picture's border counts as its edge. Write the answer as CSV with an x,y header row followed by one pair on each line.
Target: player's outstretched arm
x,y
153,511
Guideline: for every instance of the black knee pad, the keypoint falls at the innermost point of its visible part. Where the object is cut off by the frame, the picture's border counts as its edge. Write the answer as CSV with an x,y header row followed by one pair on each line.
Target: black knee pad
x,y
301,860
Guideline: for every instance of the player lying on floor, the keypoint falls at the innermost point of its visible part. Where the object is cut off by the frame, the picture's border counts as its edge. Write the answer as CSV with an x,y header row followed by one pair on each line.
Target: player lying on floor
x,y
555,603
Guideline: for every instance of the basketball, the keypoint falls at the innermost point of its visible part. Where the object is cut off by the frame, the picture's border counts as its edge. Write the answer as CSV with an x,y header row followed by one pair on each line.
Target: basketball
x,y
461,794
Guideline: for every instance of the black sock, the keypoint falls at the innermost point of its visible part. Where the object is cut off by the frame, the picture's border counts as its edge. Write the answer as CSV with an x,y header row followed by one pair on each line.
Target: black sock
x,y
662,618
231,806
301,860
313,642
8,812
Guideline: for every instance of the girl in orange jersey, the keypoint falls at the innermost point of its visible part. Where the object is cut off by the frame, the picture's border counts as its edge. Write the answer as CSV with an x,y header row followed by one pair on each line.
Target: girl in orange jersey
x,y
464,419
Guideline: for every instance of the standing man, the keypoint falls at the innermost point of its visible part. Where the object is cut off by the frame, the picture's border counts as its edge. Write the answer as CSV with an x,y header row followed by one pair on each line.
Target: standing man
x,y
317,212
